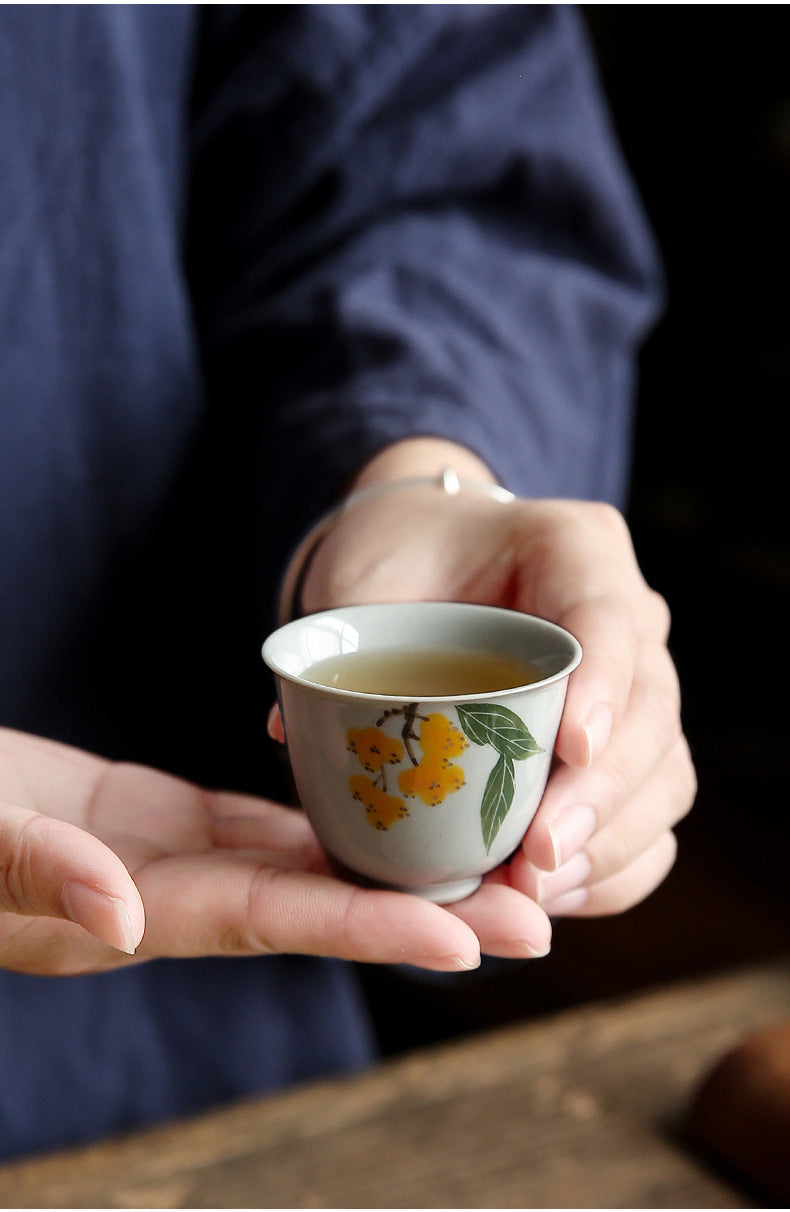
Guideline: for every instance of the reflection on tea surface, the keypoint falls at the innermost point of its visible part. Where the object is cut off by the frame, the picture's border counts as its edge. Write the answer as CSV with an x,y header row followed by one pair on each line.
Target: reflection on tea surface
x,y
417,674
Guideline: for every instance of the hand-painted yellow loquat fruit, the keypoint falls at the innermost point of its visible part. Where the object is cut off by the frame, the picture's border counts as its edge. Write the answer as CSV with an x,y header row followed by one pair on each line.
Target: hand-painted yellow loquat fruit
x,y
374,748
440,738
382,809
432,780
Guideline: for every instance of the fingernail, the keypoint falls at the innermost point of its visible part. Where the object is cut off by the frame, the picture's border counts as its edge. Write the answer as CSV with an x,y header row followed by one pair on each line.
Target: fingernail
x,y
570,831
569,902
105,917
597,729
568,877
446,963
535,952
465,965
509,947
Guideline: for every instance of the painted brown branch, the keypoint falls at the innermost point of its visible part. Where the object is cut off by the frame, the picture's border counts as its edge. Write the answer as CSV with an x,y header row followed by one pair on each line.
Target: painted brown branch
x,y
410,714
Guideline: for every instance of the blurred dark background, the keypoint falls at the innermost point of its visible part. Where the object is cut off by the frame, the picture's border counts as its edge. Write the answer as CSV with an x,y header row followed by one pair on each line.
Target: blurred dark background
x,y
700,97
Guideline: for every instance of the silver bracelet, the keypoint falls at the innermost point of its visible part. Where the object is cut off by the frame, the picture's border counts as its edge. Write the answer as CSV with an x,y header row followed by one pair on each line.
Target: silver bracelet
x,y
447,479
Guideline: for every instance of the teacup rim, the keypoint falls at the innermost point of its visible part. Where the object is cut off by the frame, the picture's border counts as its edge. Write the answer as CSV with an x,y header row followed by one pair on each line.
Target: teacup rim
x,y
341,693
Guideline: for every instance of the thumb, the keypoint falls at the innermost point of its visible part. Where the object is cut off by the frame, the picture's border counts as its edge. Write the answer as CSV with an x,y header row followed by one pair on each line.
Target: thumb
x,y
50,868
274,724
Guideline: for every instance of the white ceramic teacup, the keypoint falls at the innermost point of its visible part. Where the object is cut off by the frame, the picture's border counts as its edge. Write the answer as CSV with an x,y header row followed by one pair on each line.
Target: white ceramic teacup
x,y
424,793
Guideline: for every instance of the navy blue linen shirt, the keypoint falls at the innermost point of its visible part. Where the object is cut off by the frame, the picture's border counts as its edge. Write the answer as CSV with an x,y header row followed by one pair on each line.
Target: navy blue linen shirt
x,y
241,249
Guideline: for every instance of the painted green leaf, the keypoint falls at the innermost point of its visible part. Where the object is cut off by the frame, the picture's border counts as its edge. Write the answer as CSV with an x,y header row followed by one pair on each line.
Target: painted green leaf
x,y
491,724
497,798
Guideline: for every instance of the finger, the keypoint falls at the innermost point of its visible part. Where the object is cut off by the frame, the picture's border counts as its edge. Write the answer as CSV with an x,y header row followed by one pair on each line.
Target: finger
x,y
577,803
614,633
579,569
661,802
600,689
227,903
545,886
622,891
274,724
508,924
659,805
51,868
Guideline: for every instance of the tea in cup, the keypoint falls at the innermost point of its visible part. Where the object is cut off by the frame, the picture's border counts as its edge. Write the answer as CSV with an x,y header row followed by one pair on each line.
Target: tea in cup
x,y
420,735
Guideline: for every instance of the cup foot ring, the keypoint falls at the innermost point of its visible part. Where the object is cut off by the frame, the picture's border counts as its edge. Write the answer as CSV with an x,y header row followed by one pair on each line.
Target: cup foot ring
x,y
446,893
449,893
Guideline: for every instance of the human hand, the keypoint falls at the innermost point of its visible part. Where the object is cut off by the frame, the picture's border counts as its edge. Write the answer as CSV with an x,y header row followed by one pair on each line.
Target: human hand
x,y
603,836
105,864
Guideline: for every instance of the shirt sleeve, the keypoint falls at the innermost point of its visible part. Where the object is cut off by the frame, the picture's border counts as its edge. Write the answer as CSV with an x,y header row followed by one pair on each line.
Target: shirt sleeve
x,y
415,220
